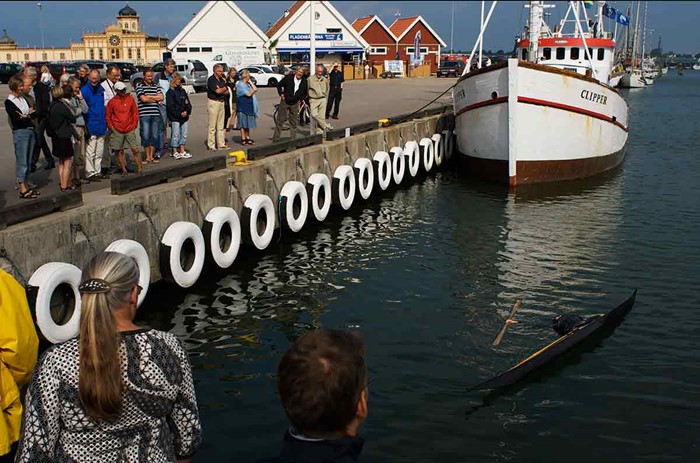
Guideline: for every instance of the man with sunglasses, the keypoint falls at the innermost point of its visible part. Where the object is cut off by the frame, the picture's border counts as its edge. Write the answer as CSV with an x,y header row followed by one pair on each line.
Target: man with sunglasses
x,y
322,381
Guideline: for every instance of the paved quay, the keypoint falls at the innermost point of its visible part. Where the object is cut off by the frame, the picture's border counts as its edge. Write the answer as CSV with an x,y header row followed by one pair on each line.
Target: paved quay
x,y
363,101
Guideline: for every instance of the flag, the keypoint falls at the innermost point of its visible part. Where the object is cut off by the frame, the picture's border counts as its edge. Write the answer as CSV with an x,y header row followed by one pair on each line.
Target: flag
x,y
588,4
609,12
622,19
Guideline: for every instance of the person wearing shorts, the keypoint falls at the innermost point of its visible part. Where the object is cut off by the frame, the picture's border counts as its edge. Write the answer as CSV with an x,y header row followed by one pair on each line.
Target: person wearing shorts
x,y
122,121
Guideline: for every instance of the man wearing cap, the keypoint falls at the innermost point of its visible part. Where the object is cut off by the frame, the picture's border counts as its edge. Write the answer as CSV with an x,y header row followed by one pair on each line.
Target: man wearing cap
x,y
335,92
122,121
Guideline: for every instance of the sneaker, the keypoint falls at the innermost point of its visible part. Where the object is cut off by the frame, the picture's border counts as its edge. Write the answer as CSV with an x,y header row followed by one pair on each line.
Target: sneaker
x,y
186,155
329,127
179,155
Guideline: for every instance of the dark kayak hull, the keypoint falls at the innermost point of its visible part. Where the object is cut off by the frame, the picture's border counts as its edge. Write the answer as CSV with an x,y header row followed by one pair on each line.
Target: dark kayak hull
x,y
547,354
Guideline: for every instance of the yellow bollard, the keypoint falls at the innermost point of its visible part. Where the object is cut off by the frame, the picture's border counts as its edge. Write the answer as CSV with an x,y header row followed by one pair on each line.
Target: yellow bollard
x,y
240,157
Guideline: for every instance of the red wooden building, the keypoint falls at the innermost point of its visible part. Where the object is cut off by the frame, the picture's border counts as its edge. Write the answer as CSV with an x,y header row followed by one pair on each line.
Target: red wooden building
x,y
383,44
405,30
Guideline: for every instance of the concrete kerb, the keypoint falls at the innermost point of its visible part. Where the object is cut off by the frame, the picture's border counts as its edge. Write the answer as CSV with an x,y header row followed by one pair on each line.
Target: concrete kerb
x,y
75,236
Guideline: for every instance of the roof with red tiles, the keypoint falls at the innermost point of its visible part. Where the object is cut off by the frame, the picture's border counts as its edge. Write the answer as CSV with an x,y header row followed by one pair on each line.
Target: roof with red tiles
x,y
284,18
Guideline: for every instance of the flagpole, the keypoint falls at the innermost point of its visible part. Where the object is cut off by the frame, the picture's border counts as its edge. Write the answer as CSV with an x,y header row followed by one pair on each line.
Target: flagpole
x,y
452,29
481,26
312,55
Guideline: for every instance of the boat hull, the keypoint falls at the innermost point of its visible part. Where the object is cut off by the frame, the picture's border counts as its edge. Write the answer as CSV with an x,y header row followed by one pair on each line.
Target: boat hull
x,y
521,123
633,80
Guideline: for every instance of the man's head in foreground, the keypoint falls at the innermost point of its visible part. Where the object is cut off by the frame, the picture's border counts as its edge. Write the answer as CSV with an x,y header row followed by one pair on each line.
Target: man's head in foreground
x,y
322,381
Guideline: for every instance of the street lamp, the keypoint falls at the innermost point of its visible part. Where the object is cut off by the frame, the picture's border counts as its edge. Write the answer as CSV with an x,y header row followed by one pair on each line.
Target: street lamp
x,y
41,26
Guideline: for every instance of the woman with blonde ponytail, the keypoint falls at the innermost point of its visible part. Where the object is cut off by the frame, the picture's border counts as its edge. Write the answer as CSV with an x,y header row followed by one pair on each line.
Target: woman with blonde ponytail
x,y
118,392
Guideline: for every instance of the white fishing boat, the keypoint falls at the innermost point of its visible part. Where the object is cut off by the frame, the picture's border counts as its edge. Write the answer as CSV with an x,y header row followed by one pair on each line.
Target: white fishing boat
x,y
696,66
664,70
633,78
549,114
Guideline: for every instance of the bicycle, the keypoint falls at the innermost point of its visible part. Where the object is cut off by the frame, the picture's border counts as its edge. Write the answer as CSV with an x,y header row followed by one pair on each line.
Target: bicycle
x,y
302,109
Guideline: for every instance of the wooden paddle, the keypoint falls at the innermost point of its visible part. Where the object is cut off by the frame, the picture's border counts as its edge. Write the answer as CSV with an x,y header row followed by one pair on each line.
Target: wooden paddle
x,y
510,321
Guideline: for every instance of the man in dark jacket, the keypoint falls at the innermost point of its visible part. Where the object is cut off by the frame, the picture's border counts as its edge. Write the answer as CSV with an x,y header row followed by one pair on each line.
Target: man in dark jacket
x,y
335,92
292,89
42,101
322,381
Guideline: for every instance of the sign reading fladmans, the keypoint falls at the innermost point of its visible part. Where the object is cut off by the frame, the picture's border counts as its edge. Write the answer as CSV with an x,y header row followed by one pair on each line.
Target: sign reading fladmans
x,y
325,37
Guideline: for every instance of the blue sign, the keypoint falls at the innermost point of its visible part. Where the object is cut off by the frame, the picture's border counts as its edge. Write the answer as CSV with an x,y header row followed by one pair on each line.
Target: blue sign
x,y
326,37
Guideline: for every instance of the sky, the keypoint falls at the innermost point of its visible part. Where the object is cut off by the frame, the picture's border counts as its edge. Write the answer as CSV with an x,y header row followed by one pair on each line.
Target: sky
x,y
62,22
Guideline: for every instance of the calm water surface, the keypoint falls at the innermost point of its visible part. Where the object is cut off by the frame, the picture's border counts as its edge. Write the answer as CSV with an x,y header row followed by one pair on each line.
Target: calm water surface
x,y
428,273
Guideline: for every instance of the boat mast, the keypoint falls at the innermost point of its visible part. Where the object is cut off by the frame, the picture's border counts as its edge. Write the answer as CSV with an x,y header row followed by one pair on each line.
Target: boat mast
x,y
644,32
635,41
534,26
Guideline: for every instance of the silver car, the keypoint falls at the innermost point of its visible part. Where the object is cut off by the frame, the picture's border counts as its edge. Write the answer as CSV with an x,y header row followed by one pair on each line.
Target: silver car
x,y
194,73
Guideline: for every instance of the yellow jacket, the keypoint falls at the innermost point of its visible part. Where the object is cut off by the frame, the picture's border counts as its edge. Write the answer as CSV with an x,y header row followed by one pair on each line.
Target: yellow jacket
x,y
18,353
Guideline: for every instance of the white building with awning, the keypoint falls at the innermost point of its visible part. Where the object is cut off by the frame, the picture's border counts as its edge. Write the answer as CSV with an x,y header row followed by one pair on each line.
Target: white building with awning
x,y
220,33
336,40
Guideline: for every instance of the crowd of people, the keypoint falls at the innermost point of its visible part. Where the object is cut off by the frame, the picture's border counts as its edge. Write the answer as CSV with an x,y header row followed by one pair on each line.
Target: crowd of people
x,y
122,392
91,122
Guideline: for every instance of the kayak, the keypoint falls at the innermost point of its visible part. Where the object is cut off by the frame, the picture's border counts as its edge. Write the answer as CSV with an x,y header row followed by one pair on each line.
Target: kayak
x,y
595,324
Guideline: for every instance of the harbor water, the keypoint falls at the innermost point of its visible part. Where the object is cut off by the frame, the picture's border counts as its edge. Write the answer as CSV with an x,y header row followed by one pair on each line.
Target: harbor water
x,y
429,272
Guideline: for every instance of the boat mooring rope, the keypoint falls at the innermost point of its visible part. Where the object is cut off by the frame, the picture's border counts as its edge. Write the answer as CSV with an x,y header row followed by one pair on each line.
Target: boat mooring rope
x,y
410,116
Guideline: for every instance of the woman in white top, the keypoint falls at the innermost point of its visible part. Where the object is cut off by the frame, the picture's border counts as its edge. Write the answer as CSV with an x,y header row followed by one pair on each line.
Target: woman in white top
x,y
20,114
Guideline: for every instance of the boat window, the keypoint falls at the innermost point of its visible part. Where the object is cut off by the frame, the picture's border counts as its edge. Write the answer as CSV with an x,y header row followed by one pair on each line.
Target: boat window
x,y
546,53
601,54
574,53
524,54
561,53
590,53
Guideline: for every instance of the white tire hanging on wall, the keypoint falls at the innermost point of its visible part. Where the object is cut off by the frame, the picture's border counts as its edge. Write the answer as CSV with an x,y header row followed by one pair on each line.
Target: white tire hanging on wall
x,y
398,164
382,167
222,235
182,253
449,144
318,188
47,280
427,153
438,149
364,176
412,155
136,251
294,205
344,187
258,220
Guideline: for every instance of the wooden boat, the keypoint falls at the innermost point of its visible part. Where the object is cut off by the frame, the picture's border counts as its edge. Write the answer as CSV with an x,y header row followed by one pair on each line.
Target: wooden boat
x,y
592,325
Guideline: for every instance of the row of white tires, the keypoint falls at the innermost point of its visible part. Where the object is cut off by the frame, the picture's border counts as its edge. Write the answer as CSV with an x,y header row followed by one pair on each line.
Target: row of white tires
x,y
185,247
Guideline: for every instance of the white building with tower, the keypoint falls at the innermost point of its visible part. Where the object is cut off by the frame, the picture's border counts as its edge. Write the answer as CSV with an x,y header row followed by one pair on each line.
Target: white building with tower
x,y
336,39
220,33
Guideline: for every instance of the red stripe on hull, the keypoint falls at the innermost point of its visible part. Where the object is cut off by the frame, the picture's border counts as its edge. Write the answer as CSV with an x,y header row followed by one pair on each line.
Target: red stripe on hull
x,y
573,109
528,172
481,104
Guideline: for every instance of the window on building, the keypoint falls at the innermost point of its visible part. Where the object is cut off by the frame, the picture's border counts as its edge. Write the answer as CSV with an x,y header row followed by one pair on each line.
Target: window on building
x,y
206,49
138,53
44,56
101,54
26,56
561,53
601,54
8,57
181,49
115,53
574,54
62,56
333,30
92,53
129,53
126,26
378,50
133,25
546,53
194,49
409,50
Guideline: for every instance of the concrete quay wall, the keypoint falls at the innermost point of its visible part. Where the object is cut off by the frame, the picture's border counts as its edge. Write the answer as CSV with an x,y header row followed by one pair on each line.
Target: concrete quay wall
x,y
75,236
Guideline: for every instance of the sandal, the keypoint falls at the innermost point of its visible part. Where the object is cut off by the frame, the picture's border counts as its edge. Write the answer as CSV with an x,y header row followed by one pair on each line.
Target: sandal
x,y
250,142
225,147
29,194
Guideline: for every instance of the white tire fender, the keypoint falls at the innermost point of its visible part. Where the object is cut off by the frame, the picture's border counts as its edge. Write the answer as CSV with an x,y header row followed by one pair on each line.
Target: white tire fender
x,y
258,210
222,235
47,279
294,211
448,141
136,251
427,153
179,263
398,164
318,188
344,186
438,148
364,176
382,167
412,154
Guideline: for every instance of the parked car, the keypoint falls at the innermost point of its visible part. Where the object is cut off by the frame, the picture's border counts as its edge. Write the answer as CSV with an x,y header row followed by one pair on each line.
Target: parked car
x,y
450,69
126,69
194,73
8,70
58,69
101,66
264,75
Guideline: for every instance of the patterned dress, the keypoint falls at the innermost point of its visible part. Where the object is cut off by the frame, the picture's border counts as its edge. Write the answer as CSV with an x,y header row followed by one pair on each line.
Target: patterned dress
x,y
159,419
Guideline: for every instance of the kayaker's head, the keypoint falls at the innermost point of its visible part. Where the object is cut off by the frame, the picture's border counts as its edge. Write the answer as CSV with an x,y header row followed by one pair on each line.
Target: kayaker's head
x,y
322,381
